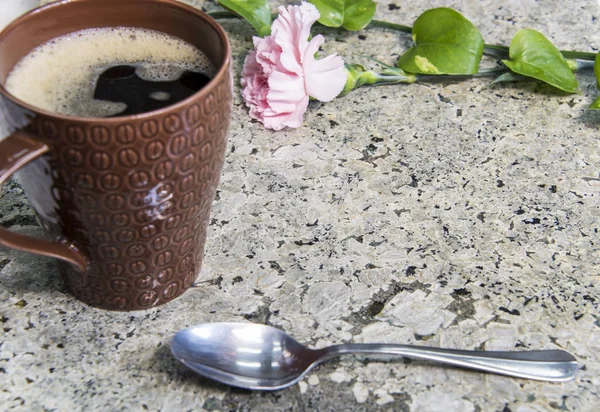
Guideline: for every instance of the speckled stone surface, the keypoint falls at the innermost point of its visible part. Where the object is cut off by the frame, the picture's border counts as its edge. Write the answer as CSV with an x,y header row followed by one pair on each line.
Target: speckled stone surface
x,y
446,214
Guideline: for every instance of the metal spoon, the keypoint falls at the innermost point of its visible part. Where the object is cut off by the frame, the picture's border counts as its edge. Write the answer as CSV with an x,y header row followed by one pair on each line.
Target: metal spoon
x,y
254,356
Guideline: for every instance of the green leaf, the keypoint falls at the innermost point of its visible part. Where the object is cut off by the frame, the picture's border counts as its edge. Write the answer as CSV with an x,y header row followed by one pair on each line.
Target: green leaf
x,y
596,104
507,77
445,43
256,12
533,55
597,69
351,14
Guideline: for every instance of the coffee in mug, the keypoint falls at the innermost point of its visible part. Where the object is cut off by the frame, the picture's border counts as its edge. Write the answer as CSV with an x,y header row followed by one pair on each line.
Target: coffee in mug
x,y
110,71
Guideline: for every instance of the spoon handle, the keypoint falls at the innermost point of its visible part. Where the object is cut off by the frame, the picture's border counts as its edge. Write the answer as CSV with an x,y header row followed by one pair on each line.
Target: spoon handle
x,y
545,365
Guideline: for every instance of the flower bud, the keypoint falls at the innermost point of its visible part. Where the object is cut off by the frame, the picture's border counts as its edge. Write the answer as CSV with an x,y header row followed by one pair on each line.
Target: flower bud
x,y
357,75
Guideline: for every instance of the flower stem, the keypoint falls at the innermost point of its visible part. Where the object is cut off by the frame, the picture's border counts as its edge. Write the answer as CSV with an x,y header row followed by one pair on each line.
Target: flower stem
x,y
502,52
572,54
481,73
223,15
391,26
496,50
490,49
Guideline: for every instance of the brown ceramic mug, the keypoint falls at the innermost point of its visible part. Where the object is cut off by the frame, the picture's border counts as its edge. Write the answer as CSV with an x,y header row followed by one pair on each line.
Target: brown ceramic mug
x,y
125,201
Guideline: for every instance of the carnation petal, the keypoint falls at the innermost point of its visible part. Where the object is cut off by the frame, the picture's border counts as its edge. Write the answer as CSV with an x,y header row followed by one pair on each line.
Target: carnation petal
x,y
288,119
290,63
251,66
267,53
325,78
291,28
254,86
285,91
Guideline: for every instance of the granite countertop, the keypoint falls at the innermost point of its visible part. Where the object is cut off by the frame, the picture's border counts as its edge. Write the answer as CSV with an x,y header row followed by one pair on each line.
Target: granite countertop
x,y
439,214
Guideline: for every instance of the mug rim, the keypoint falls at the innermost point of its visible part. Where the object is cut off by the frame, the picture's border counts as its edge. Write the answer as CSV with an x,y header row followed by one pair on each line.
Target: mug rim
x,y
178,106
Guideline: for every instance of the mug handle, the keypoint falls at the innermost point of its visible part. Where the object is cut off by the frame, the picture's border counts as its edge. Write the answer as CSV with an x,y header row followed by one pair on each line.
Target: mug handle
x,y
16,151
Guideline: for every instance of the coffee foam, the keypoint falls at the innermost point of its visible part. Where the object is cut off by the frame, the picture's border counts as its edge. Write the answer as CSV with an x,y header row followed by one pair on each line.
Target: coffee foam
x,y
60,76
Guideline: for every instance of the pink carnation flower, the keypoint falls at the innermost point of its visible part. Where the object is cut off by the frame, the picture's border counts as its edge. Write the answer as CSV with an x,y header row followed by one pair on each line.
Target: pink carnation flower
x,y
282,72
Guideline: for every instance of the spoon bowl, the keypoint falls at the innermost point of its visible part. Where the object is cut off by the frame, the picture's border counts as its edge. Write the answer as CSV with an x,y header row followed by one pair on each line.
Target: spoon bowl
x,y
261,357
245,355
